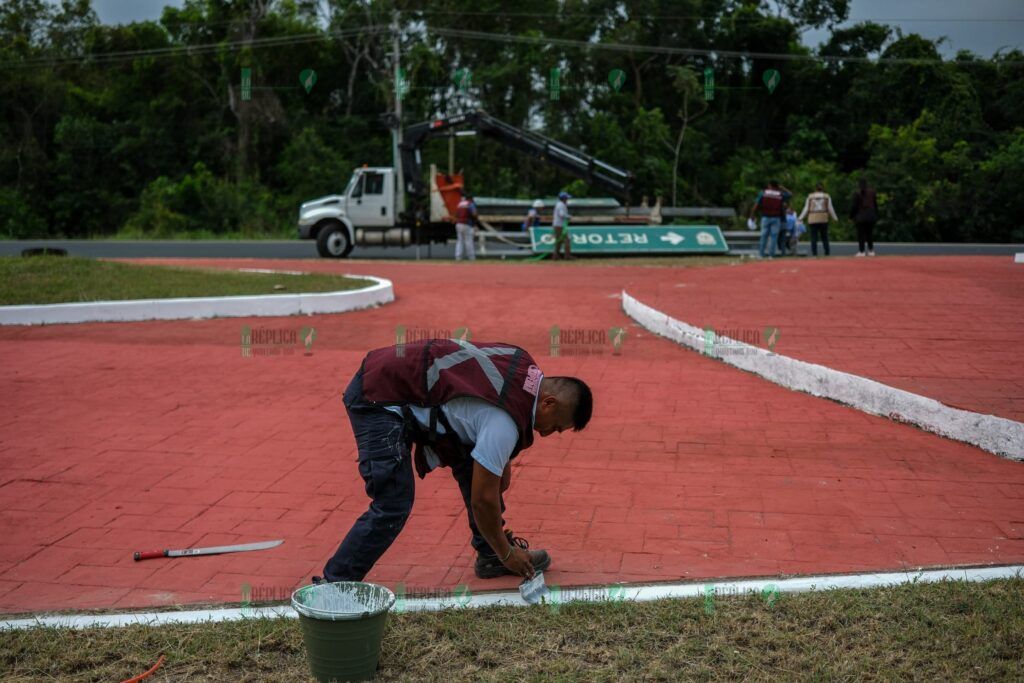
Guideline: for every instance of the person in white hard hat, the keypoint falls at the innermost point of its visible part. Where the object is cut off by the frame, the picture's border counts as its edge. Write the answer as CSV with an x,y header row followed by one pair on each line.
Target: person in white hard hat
x,y
533,215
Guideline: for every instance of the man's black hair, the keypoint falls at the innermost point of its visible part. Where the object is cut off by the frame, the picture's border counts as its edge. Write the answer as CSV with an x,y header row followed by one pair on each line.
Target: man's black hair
x,y
773,183
582,396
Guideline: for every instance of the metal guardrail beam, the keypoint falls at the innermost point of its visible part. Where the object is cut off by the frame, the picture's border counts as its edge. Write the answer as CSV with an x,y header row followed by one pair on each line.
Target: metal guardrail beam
x,y
721,212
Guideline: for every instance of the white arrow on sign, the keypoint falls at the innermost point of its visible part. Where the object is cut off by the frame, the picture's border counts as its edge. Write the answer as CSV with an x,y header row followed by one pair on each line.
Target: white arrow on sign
x,y
673,238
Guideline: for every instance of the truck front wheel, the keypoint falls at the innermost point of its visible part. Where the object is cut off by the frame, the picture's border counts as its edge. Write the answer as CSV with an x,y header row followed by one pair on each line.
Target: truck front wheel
x,y
332,241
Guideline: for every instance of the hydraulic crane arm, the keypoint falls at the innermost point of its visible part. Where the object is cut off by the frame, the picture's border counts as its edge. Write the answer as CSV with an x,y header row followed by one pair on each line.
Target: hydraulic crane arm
x,y
576,162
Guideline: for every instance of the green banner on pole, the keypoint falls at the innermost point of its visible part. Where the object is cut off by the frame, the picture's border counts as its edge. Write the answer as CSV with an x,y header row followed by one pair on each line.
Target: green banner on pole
x,y
246,83
634,239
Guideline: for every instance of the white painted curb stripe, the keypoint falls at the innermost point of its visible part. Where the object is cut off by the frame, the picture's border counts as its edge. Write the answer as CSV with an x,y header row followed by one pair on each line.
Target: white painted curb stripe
x,y
994,434
636,593
381,292
268,270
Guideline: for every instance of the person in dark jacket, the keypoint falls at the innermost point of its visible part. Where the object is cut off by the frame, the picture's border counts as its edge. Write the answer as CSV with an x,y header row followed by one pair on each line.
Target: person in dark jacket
x,y
470,407
864,212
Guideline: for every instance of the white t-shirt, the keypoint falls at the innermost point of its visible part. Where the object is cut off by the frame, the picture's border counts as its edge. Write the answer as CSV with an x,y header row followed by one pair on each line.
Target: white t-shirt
x,y
560,218
475,421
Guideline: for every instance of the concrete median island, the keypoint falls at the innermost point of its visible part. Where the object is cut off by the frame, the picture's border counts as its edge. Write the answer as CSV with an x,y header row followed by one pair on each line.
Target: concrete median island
x,y
51,290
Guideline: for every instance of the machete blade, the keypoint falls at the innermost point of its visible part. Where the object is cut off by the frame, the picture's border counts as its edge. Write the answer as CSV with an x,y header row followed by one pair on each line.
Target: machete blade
x,y
220,549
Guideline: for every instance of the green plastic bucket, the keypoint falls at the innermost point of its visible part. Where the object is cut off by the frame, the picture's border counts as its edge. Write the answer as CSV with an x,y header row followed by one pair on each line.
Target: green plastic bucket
x,y
343,625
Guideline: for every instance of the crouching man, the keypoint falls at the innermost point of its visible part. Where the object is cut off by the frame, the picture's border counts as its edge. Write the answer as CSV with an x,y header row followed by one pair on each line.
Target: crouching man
x,y
450,403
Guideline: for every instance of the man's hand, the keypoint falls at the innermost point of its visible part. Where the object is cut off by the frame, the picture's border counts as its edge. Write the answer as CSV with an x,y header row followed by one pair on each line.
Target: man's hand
x,y
519,562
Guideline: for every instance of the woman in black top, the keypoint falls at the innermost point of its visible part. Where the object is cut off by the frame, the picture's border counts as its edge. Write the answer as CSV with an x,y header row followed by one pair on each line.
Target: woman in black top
x,y
864,213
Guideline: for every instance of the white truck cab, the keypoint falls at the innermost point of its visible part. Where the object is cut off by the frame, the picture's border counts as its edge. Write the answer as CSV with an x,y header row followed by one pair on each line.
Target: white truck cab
x,y
337,222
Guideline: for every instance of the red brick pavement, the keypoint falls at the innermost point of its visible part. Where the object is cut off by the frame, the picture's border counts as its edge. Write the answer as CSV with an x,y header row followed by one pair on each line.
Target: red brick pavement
x,y
950,328
136,436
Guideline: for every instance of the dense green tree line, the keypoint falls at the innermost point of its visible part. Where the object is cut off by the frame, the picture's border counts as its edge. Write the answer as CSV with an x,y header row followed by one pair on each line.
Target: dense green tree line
x,y
141,129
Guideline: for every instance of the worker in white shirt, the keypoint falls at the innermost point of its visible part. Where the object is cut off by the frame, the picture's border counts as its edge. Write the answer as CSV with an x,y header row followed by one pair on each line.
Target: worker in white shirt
x,y
449,403
817,210
560,226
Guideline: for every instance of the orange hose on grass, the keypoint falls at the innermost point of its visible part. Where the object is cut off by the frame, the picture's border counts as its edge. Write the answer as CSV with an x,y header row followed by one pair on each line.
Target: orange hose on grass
x,y
138,678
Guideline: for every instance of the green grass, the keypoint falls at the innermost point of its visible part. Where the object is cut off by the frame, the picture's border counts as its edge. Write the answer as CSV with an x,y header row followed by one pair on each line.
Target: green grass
x,y
56,279
945,631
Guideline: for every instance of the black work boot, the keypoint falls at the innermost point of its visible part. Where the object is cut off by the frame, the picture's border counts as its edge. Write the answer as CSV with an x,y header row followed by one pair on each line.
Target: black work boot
x,y
490,566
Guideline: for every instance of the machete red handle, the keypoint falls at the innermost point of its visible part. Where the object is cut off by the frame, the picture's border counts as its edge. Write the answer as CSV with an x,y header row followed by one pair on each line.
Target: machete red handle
x,y
150,555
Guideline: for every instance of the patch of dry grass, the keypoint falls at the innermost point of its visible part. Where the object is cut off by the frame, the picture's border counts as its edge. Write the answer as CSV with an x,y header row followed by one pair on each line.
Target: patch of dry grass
x,y
944,631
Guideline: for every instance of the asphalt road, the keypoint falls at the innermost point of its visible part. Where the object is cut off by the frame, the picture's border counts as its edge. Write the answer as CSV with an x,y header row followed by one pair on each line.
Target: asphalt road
x,y
298,249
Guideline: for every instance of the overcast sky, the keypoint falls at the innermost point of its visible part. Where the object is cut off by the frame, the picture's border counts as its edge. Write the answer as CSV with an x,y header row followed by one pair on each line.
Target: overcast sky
x,y
981,26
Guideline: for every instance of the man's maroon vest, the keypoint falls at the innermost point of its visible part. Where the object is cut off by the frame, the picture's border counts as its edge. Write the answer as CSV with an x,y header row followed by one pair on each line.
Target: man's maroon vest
x,y
463,214
432,372
771,202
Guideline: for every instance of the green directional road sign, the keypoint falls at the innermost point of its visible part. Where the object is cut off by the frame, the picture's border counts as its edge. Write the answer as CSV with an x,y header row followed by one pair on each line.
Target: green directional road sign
x,y
634,239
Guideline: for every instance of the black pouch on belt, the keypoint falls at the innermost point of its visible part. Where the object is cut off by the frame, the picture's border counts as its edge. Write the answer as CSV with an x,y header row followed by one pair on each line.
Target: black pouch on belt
x,y
448,448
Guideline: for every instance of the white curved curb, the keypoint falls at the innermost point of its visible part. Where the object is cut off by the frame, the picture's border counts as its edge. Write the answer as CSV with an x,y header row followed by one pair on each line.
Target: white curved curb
x,y
765,587
202,307
994,434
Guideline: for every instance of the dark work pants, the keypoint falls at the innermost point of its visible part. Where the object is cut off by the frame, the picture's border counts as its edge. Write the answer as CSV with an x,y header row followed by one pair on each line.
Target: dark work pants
x,y
783,242
819,229
866,233
385,464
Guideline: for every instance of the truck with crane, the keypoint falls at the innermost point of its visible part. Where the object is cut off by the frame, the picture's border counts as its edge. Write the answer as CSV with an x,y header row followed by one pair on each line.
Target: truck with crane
x,y
378,207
